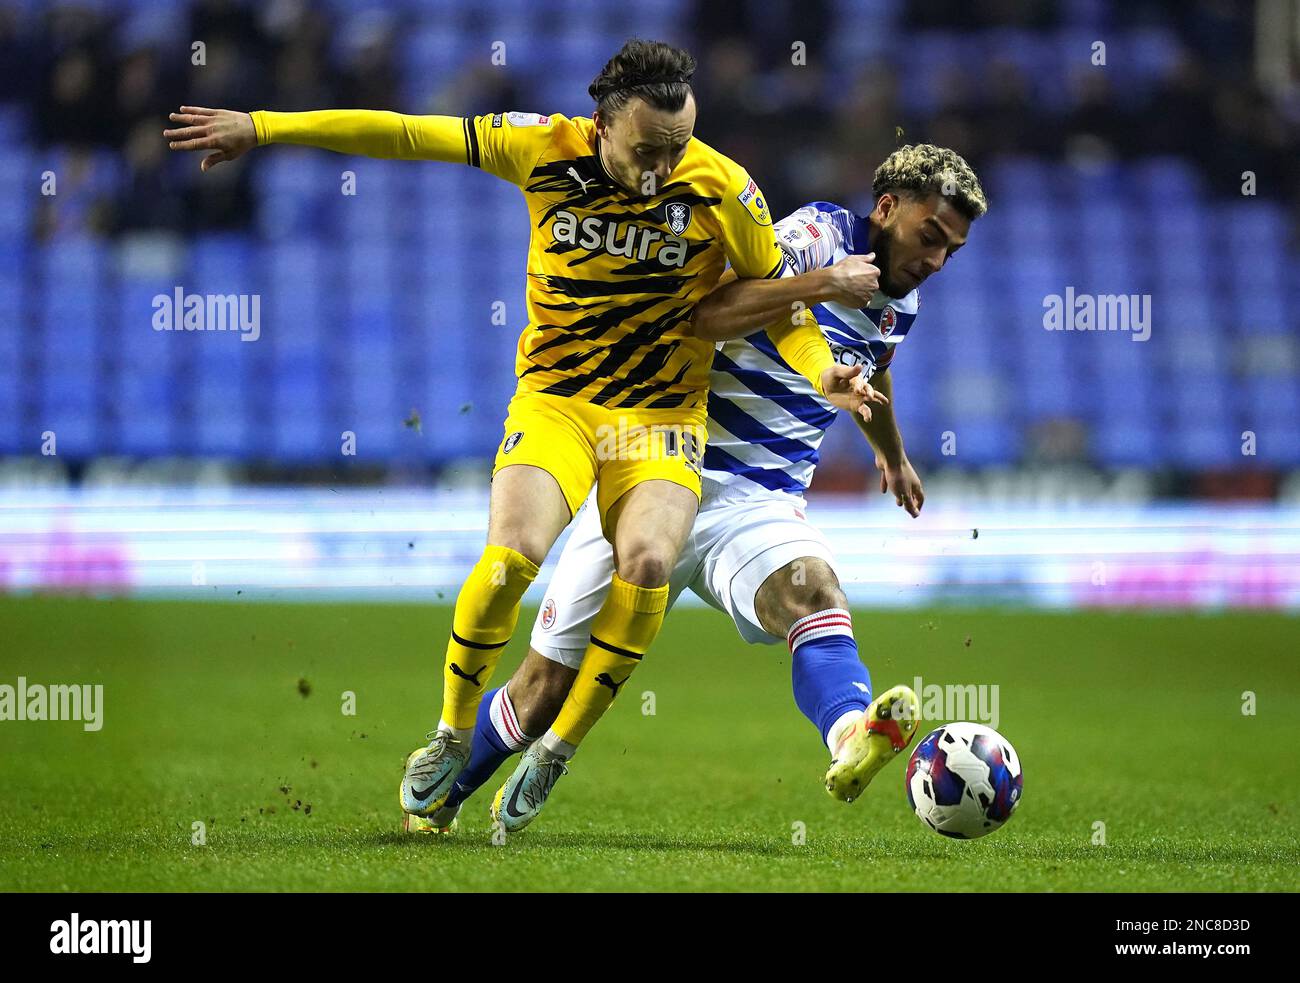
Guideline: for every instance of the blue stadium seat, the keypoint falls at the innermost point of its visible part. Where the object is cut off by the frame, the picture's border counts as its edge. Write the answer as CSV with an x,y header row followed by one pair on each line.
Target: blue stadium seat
x,y
223,263
17,170
1277,444
1131,443
14,128
1021,178
75,427
1200,442
1272,399
1167,179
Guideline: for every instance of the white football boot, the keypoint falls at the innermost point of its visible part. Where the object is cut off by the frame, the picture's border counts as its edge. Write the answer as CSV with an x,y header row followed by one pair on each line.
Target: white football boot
x,y
430,773
521,798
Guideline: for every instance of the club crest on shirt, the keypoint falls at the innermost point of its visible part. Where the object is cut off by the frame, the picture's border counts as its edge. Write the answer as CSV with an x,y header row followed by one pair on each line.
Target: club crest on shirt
x,y
888,318
679,217
548,614
513,439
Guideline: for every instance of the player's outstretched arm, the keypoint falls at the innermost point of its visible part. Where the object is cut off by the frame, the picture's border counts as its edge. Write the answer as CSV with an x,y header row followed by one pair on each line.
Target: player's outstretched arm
x,y
225,134
881,430
737,307
801,343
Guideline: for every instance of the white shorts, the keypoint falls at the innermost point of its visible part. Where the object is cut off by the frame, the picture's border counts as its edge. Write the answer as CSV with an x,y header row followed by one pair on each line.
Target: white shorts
x,y
738,541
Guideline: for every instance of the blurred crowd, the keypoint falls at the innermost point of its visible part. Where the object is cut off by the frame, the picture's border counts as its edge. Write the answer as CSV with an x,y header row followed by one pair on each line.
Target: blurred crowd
x,y
91,79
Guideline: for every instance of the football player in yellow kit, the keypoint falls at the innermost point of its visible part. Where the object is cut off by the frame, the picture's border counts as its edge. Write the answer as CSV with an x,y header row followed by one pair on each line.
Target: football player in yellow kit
x,y
633,221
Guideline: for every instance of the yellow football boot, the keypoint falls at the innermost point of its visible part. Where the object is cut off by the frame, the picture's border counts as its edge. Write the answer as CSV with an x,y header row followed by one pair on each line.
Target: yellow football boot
x,y
877,737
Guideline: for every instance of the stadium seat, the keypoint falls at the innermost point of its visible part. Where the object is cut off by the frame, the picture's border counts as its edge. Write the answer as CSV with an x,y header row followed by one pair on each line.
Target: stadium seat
x,y
1127,443
1167,180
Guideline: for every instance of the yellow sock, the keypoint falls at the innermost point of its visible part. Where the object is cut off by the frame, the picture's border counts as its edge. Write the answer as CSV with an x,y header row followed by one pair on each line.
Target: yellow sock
x,y
621,633
487,609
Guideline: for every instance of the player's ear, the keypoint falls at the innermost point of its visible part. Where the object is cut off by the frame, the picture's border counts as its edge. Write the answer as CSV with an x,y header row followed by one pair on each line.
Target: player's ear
x,y
885,205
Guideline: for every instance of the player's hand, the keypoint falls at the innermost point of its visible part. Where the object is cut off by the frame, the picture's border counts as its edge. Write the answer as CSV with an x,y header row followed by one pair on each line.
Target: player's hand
x,y
848,389
226,133
901,479
853,281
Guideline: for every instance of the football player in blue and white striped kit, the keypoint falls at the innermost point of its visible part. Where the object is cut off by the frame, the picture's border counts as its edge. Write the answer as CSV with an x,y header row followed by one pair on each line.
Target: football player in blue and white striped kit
x,y
752,553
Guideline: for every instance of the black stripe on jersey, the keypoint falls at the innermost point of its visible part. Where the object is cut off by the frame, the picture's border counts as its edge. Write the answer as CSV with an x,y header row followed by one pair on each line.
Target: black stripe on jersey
x,y
621,351
554,178
565,387
615,355
597,190
645,335
471,142
654,360
571,305
668,402
570,361
653,208
642,393
594,325
775,271
575,287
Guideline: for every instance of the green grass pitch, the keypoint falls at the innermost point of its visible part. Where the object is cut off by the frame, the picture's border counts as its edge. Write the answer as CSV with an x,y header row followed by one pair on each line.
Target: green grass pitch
x,y
231,715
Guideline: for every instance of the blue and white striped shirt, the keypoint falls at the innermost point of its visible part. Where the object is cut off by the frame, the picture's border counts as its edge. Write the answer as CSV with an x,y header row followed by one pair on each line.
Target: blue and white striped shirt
x,y
765,419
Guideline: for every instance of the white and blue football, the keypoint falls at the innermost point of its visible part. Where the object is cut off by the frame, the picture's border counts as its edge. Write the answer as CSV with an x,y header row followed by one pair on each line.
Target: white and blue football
x,y
964,780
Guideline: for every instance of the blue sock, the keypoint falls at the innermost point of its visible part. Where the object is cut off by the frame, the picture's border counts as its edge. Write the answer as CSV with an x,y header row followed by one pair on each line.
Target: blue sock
x,y
491,746
829,678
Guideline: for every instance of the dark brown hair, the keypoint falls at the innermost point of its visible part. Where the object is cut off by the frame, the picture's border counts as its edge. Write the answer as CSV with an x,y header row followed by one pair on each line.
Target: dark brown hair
x,y
656,72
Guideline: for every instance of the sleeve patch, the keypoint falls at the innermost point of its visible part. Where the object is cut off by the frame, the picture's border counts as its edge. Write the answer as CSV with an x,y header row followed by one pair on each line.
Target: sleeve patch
x,y
755,204
528,119
795,235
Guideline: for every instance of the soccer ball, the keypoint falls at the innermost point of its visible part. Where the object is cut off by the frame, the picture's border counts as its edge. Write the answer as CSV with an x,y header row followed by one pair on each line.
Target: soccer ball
x,y
964,780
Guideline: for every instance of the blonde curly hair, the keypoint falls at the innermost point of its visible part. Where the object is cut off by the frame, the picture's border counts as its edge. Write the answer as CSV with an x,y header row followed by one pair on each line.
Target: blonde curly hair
x,y
923,169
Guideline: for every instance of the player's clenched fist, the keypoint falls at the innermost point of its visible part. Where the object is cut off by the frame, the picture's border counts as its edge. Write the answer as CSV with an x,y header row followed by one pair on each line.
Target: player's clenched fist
x,y
853,281
226,133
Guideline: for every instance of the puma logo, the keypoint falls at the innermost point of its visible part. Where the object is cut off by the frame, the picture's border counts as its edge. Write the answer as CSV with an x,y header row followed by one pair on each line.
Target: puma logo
x,y
606,680
458,671
573,173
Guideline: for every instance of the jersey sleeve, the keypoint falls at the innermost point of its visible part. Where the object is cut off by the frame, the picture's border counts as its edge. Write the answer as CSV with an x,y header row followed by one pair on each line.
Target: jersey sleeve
x,y
808,239
372,133
509,144
504,144
747,232
802,345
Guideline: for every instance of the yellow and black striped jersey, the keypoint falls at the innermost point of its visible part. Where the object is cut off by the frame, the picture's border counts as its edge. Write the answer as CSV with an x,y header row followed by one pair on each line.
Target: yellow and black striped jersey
x,y
613,276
